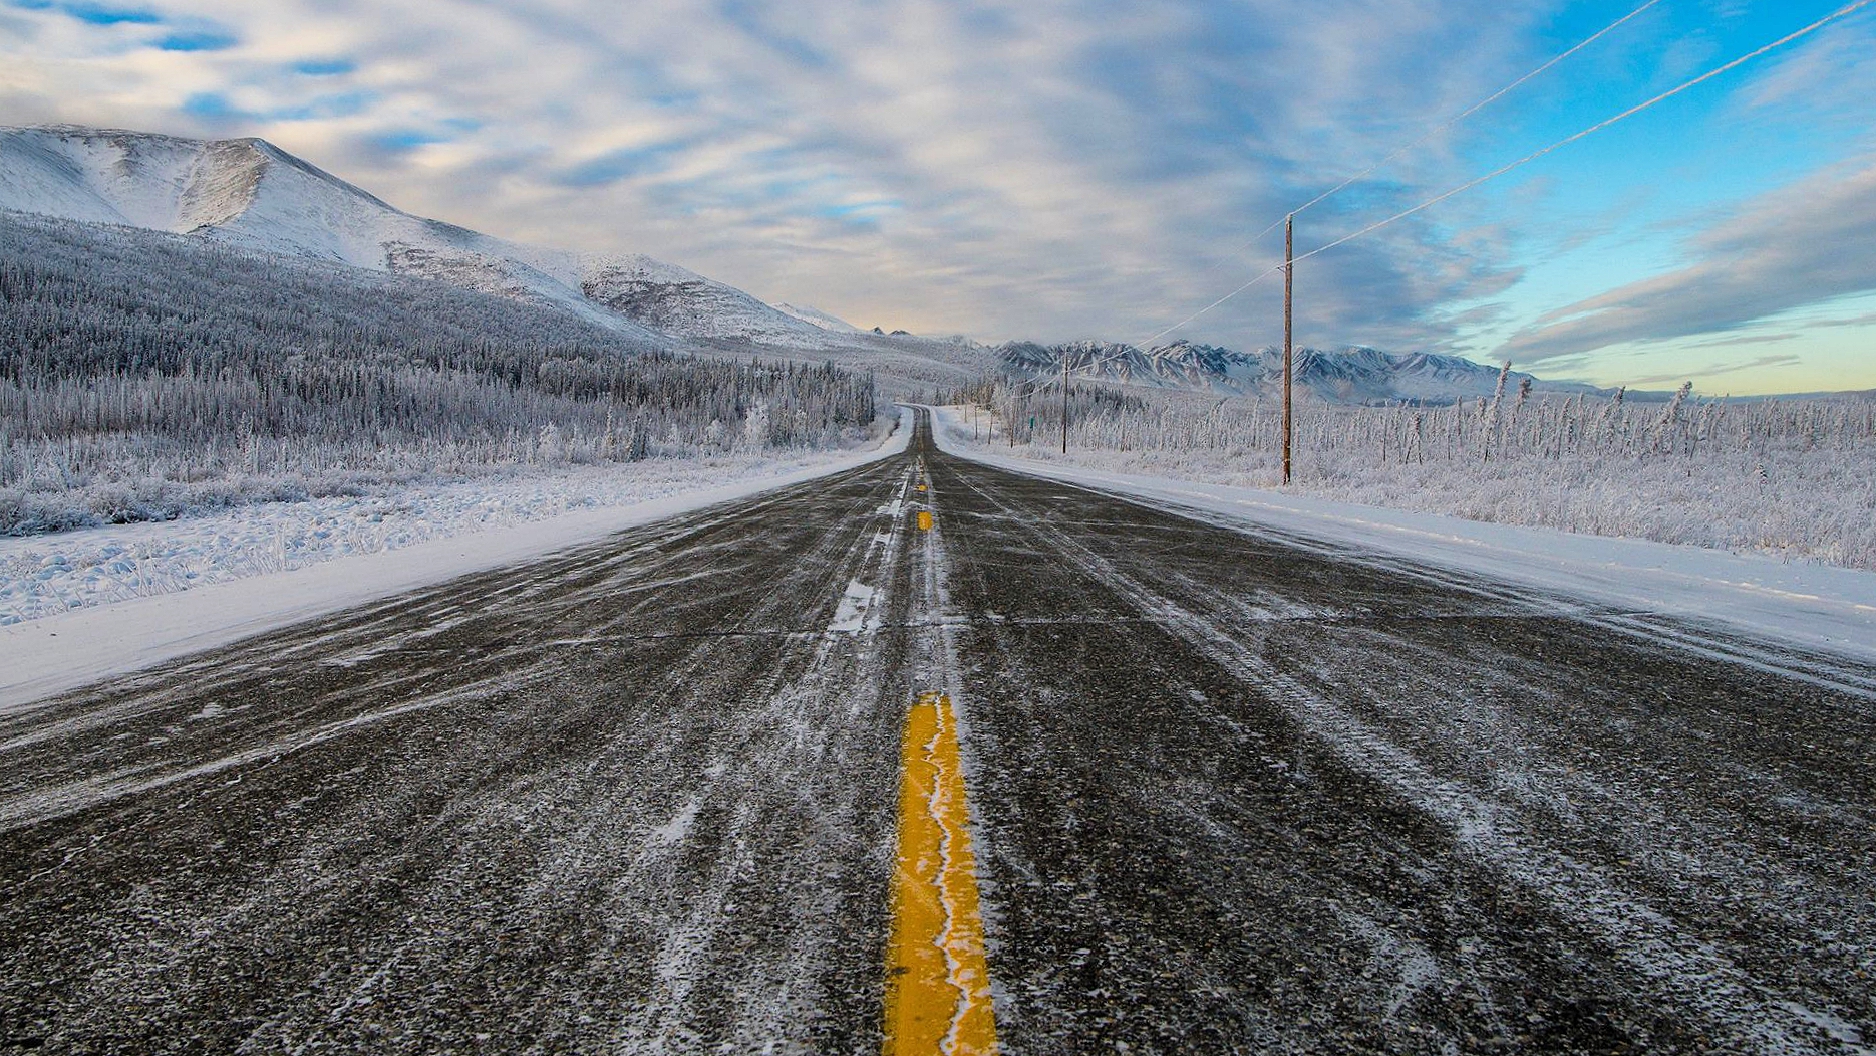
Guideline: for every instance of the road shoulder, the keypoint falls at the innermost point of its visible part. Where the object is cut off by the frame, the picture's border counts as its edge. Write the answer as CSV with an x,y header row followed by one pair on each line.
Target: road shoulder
x,y
1807,606
58,653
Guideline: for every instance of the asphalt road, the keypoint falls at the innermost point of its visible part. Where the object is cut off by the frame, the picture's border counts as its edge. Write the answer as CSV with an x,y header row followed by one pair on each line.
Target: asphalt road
x,y
1230,792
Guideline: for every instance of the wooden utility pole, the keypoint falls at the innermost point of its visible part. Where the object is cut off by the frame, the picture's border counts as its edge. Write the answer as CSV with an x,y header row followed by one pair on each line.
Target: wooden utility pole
x,y
1064,403
1289,243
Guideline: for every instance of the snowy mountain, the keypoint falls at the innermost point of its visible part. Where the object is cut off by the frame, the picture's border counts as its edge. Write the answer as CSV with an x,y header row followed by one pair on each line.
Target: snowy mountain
x,y
1352,376
1179,365
816,317
677,301
249,194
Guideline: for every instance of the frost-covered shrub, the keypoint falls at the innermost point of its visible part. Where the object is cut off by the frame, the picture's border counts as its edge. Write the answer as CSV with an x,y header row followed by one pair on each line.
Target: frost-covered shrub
x,y
552,446
1793,478
756,425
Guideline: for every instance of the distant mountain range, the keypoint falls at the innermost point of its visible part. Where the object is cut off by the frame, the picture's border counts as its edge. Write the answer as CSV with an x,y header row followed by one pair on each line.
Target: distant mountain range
x,y
1351,376
248,194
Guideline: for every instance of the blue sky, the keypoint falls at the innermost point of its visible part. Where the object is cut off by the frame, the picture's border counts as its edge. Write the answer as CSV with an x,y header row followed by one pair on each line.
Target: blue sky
x,y
1058,169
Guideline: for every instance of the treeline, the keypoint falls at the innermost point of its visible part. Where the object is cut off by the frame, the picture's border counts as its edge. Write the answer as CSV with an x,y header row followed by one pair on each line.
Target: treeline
x,y
165,371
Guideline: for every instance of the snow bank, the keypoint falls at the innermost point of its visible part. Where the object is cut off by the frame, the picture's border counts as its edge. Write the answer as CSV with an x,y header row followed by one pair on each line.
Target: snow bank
x,y
79,606
1806,605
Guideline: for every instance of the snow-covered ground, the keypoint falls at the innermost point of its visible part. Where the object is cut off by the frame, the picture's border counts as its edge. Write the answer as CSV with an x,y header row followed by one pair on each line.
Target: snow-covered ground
x,y
1808,605
81,605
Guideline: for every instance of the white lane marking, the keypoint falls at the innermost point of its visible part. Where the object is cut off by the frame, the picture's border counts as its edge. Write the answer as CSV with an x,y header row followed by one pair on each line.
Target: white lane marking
x,y
856,610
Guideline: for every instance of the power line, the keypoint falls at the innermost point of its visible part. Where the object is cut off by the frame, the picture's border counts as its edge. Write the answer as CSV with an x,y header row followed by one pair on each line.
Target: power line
x,y
1475,108
1272,270
1841,12
1448,125
1600,125
1445,126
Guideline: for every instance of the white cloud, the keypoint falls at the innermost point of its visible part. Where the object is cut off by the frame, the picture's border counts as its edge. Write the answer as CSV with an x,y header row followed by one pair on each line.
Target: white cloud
x,y
1799,245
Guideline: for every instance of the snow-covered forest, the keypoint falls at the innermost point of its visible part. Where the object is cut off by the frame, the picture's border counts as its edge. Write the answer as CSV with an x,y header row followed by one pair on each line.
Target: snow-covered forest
x,y
143,375
1792,477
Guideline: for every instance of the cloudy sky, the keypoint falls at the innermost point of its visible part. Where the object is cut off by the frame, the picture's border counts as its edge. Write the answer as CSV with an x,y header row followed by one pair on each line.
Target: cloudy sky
x,y
1058,169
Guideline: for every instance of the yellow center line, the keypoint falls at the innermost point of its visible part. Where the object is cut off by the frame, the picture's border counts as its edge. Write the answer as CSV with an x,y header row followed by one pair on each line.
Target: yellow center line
x,y
924,520
937,986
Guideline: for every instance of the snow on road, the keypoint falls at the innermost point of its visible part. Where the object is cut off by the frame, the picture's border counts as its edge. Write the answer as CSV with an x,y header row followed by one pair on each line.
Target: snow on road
x,y
1807,605
82,605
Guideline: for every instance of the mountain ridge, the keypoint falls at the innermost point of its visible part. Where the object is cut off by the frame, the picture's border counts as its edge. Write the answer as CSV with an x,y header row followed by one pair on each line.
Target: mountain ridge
x,y
251,194
1353,375
813,316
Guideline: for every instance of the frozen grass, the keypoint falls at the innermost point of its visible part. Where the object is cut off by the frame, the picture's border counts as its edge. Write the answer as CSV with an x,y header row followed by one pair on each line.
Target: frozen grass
x,y
90,481
1794,479
44,575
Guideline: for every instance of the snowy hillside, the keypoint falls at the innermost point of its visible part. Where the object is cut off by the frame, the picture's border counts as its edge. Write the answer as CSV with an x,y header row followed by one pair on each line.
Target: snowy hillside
x,y
681,302
814,316
1352,376
250,194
